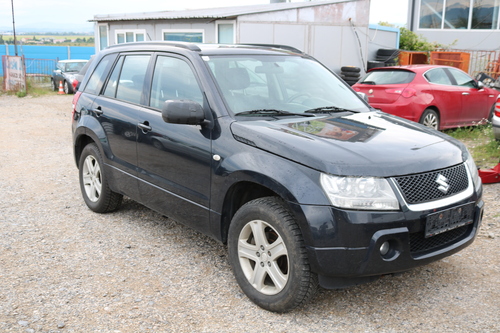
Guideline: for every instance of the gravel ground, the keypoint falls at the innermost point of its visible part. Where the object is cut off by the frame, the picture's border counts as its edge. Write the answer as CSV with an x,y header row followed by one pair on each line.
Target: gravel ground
x,y
66,269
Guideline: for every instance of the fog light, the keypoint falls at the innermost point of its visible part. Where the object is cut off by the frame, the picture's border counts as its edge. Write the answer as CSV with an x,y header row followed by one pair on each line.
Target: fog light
x,y
384,248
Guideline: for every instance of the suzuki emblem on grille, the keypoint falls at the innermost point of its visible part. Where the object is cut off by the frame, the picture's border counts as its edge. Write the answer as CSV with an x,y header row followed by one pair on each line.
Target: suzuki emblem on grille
x,y
443,183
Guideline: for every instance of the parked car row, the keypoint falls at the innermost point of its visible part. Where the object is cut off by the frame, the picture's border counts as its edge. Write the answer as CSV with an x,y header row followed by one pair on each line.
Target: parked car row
x,y
439,97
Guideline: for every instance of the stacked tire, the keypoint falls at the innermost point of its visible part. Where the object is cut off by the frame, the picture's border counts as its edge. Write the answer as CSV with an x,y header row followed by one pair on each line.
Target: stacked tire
x,y
390,57
350,74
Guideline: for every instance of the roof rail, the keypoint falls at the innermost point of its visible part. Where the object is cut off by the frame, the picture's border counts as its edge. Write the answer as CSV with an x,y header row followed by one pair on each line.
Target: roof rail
x,y
277,46
184,45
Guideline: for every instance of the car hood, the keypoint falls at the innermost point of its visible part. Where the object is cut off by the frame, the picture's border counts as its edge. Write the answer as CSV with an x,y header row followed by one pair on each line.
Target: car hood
x,y
362,144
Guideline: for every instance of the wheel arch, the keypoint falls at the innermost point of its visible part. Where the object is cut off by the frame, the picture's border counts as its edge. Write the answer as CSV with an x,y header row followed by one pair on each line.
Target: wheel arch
x,y
253,185
88,131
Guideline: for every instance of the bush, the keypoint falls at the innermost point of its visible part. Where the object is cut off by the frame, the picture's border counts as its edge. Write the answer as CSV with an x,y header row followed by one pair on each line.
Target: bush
x,y
410,41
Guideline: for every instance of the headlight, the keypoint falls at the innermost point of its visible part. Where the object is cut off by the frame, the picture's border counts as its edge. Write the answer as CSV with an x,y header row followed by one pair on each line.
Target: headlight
x,y
473,171
366,193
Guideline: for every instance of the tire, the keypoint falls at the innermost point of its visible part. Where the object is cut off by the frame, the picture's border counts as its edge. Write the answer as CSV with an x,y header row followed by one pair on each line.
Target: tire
x,y
93,182
375,64
387,53
351,69
55,87
350,75
276,281
430,119
67,88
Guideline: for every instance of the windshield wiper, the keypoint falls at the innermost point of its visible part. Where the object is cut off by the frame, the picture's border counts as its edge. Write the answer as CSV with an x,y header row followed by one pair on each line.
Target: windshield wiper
x,y
271,112
328,109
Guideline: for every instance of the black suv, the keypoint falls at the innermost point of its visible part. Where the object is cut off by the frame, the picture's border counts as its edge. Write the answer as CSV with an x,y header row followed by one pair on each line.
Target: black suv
x,y
266,150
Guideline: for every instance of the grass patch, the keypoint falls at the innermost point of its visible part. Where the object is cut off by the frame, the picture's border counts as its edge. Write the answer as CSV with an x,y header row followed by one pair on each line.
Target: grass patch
x,y
482,145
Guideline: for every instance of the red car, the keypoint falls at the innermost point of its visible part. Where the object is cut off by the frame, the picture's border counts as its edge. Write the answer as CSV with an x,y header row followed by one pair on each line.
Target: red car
x,y
437,96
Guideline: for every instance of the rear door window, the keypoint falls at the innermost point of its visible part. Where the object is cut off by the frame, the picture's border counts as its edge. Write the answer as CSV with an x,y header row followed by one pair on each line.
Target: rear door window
x,y
128,78
438,76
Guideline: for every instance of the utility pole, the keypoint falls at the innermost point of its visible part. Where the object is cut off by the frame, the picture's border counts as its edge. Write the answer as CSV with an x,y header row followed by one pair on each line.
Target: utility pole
x,y
14,27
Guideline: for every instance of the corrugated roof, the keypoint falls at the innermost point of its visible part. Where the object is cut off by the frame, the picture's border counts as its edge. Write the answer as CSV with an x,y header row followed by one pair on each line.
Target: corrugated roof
x,y
211,13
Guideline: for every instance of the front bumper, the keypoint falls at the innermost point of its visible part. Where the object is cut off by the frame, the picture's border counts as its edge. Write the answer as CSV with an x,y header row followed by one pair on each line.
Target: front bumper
x,y
347,245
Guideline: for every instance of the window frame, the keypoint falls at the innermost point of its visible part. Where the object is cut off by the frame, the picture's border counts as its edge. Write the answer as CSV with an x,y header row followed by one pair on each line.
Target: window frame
x,y
442,25
223,22
202,31
100,46
135,32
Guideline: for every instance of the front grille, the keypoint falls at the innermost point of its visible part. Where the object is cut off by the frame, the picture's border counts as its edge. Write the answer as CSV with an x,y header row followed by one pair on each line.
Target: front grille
x,y
419,244
423,187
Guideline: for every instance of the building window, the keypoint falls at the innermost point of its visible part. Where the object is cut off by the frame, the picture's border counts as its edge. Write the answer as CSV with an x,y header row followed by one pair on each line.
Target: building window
x,y
193,36
485,14
459,14
129,36
225,32
103,37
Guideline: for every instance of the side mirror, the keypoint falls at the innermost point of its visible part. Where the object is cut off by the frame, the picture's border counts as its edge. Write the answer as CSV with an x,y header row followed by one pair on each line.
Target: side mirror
x,y
363,96
182,112
480,85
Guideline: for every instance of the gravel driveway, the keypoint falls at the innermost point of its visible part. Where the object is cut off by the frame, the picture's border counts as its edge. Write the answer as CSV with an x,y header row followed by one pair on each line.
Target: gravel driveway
x,y
66,269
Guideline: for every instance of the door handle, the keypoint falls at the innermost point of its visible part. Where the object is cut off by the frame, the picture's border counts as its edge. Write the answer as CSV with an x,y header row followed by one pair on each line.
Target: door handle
x,y
98,111
465,93
145,127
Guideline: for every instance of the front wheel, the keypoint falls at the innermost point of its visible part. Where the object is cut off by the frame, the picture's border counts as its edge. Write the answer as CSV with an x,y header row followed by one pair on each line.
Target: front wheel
x,y
430,119
93,182
268,256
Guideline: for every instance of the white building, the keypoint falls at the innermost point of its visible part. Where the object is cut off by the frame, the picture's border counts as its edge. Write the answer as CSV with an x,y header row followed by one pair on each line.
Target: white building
x,y
336,32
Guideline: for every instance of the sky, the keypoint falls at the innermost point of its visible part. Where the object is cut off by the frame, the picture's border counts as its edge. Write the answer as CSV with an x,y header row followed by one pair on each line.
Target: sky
x,y
67,13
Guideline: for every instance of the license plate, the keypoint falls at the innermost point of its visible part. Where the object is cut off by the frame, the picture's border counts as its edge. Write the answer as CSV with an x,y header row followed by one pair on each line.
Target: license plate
x,y
449,219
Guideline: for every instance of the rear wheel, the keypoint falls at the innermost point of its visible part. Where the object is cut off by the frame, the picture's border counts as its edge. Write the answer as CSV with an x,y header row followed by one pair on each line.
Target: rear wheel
x,y
268,256
93,182
430,119
67,88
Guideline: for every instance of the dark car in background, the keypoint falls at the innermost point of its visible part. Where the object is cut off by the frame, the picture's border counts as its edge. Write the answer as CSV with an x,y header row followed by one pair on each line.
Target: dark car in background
x,y
79,77
65,74
439,97
266,150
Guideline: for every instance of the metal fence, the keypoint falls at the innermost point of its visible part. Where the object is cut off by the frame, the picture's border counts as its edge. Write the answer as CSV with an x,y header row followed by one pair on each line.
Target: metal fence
x,y
487,62
39,70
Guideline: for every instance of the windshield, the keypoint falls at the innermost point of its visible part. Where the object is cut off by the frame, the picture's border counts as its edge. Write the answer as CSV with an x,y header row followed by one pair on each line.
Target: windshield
x,y
74,66
280,83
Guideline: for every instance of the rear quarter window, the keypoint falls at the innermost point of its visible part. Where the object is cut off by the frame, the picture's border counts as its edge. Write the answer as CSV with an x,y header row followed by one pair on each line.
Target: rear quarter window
x,y
388,77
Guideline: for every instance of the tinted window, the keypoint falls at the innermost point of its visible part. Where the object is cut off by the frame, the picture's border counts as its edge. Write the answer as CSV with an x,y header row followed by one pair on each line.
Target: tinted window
x,y
97,78
173,79
438,76
128,77
110,90
388,77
